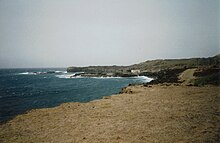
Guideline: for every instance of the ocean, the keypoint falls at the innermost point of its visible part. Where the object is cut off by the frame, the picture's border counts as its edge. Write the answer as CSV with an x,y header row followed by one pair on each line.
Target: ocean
x,y
25,89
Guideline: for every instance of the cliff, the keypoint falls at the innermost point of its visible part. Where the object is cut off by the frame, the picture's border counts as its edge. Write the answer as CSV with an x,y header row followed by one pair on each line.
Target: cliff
x,y
152,65
206,69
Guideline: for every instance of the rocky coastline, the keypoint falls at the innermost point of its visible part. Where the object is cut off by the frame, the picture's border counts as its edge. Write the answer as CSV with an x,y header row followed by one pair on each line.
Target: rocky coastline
x,y
162,71
152,113
181,104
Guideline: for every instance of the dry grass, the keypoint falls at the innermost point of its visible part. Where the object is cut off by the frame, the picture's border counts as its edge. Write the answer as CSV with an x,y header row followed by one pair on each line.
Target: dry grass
x,y
148,114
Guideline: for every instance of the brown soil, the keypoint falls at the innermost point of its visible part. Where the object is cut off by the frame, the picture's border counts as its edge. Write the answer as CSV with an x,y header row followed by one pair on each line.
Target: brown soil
x,y
187,76
155,113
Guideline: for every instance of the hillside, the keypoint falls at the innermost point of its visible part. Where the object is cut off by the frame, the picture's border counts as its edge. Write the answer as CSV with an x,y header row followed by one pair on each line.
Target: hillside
x,y
167,70
153,65
157,65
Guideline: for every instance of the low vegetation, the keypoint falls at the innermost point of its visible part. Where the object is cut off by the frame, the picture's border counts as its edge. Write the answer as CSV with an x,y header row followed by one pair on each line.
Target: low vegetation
x,y
163,71
207,76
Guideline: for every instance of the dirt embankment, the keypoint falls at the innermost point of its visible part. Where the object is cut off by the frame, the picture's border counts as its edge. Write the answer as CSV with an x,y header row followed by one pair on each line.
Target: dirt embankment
x,y
187,76
155,113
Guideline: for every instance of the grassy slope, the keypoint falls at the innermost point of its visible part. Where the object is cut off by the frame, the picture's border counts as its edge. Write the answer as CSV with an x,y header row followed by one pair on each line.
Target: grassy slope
x,y
147,114
155,65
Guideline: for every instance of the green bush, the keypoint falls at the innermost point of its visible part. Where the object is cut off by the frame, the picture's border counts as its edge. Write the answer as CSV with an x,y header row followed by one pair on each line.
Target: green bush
x,y
210,79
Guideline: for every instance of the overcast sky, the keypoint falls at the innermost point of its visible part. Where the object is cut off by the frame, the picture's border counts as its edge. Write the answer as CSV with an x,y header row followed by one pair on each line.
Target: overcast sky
x,y
60,33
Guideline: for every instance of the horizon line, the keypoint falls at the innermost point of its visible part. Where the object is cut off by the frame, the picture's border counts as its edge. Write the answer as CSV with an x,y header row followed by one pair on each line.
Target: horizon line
x,y
59,67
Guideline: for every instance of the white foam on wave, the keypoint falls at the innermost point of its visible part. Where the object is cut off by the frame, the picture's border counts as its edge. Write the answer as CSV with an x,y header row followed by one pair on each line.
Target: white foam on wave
x,y
144,78
32,73
44,72
108,77
68,76
60,71
79,76
61,76
27,73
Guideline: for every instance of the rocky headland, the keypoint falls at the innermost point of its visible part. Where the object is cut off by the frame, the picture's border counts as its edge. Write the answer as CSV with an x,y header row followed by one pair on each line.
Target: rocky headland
x,y
163,71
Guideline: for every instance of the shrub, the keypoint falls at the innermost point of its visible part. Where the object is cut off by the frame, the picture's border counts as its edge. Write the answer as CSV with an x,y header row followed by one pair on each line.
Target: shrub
x,y
210,79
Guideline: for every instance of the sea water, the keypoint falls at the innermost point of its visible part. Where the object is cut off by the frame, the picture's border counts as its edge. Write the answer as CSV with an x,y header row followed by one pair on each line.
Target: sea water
x,y
25,89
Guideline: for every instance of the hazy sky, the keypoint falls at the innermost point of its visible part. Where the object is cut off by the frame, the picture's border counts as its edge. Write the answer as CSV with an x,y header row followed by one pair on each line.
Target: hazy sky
x,y
60,33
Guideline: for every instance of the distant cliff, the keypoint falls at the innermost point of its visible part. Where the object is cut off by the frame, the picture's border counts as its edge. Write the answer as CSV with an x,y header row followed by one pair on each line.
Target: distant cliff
x,y
206,70
151,66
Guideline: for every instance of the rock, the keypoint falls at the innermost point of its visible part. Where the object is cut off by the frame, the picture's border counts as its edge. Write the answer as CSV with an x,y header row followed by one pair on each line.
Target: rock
x,y
106,97
125,90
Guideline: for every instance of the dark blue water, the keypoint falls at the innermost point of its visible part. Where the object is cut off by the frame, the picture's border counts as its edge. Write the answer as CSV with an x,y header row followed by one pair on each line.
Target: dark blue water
x,y
25,89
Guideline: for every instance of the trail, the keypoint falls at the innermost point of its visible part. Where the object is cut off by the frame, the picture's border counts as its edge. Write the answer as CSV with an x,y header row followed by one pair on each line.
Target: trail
x,y
187,76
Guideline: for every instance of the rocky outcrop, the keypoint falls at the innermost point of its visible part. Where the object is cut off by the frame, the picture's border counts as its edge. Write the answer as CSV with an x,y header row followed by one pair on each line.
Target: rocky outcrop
x,y
163,70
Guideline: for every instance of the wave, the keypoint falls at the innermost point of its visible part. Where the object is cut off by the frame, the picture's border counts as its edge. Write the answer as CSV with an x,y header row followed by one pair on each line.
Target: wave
x,y
108,77
68,76
65,75
60,71
45,72
32,73
27,73
144,78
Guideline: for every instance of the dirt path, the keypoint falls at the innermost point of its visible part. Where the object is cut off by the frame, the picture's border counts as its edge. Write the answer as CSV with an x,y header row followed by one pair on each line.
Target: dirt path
x,y
148,114
187,76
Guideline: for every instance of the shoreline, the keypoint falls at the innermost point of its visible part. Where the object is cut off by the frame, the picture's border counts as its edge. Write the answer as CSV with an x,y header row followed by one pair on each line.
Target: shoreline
x,y
133,115
146,84
179,105
141,79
